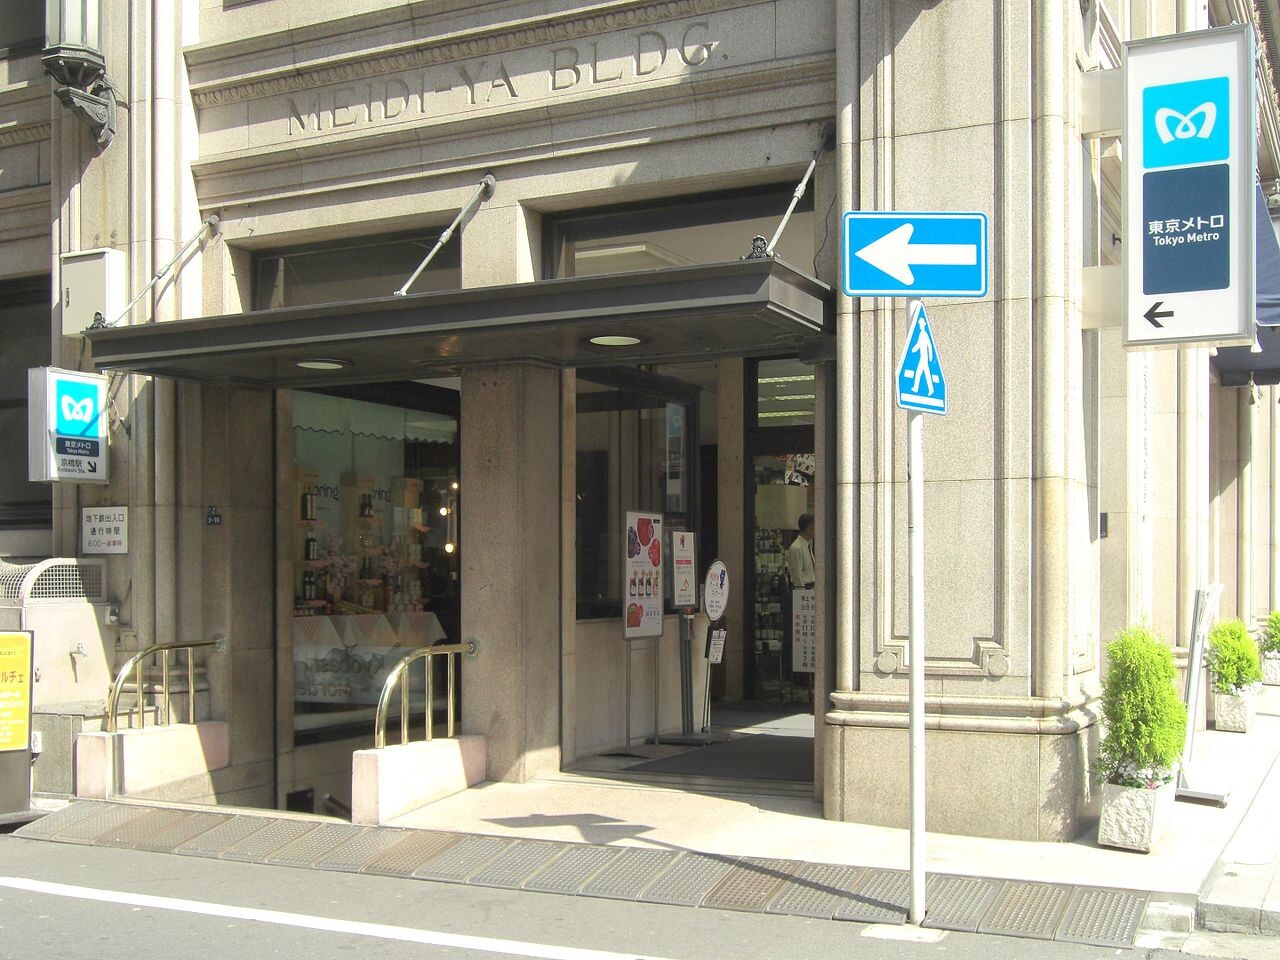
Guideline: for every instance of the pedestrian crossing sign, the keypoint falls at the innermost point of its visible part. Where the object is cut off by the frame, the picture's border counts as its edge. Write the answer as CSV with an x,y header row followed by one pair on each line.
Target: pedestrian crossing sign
x,y
920,382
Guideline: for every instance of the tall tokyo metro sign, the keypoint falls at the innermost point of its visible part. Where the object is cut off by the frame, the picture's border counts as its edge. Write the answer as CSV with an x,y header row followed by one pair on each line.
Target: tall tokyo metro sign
x,y
1189,189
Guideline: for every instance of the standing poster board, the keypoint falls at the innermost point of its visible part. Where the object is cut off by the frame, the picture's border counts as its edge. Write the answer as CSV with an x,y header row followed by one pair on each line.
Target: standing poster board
x,y
804,631
15,721
642,575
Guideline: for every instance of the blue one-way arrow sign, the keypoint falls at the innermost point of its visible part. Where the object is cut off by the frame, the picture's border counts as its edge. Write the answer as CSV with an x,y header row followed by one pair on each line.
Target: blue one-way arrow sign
x,y
892,254
920,382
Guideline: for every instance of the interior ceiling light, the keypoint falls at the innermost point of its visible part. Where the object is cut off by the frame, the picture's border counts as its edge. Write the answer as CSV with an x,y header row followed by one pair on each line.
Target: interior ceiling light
x,y
615,341
796,379
321,363
793,396
786,413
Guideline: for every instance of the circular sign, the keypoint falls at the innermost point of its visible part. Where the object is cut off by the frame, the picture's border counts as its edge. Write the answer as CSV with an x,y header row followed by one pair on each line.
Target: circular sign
x,y
715,594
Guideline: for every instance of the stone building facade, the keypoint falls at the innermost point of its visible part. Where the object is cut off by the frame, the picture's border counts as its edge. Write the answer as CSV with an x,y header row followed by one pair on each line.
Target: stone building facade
x,y
1073,488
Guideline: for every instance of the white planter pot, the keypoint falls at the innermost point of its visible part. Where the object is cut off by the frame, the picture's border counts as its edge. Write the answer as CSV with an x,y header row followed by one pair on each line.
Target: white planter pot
x,y
1132,818
1234,712
1271,671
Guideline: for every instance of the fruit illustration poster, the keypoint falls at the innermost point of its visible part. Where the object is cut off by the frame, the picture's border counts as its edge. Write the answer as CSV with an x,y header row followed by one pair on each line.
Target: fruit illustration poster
x,y
642,576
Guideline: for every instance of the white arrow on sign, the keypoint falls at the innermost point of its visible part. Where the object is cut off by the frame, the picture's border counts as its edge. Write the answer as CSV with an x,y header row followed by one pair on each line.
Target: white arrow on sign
x,y
894,254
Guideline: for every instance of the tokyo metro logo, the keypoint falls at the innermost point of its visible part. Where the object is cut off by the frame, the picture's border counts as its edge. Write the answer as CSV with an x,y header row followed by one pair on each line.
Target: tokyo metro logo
x,y
1186,128
77,409
1186,123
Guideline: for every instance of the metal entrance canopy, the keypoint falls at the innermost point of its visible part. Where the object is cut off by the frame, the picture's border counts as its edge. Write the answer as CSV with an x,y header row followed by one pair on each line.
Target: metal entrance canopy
x,y
678,313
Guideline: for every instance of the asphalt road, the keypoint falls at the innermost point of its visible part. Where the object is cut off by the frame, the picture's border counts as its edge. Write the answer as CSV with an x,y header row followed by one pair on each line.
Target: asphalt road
x,y
88,903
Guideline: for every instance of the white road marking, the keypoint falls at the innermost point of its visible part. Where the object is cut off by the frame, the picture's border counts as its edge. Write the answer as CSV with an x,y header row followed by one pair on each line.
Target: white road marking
x,y
515,948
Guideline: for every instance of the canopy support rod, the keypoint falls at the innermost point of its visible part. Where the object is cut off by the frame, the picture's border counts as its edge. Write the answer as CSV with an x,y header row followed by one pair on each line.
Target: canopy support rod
x,y
483,192
209,223
828,141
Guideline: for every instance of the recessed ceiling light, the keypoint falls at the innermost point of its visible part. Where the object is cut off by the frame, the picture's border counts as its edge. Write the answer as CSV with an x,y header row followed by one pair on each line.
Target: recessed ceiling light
x,y
323,364
615,341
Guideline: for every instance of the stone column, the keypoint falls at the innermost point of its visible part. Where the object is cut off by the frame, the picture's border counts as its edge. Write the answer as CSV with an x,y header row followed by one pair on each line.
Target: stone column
x,y
1246,405
511,569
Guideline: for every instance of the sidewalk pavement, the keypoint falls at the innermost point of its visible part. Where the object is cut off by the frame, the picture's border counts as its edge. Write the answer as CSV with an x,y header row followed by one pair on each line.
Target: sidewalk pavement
x,y
1205,859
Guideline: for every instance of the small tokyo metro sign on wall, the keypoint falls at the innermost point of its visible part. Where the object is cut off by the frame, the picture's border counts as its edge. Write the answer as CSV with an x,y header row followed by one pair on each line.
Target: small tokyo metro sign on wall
x,y
66,426
1189,163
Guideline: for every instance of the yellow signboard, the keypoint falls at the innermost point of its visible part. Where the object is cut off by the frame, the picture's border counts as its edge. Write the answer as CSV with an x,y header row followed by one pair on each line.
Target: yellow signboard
x,y
15,691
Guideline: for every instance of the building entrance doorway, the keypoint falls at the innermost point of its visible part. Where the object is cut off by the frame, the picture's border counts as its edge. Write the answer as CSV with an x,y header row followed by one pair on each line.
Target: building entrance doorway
x,y
684,441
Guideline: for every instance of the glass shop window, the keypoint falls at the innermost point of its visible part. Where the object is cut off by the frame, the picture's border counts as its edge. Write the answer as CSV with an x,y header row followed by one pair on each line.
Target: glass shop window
x,y
715,228
24,343
353,270
375,546
634,435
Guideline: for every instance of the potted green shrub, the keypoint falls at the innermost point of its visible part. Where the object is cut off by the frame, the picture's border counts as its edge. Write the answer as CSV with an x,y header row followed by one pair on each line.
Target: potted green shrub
x,y
1234,668
1269,646
1145,730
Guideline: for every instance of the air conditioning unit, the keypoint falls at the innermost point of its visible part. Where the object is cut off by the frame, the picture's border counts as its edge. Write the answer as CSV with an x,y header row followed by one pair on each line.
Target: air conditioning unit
x,y
92,283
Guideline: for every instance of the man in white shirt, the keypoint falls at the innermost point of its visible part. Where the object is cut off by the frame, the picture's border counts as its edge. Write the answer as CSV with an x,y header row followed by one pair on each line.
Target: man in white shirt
x,y
800,564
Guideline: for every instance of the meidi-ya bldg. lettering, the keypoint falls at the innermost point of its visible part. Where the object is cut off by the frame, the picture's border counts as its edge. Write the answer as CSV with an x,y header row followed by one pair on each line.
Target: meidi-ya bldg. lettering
x,y
67,426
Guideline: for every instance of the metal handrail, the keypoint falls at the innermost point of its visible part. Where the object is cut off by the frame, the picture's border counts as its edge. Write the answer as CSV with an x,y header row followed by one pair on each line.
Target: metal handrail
x,y
135,666
399,676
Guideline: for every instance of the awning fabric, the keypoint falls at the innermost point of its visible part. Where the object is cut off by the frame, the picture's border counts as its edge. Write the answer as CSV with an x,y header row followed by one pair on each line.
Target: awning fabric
x,y
1236,364
679,313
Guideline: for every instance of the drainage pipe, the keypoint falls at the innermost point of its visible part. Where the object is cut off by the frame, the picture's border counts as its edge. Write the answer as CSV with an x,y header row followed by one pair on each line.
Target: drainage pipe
x,y
848,127
164,173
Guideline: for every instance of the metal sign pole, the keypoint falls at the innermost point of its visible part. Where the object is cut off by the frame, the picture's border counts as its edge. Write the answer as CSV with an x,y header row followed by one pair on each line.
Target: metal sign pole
x,y
915,589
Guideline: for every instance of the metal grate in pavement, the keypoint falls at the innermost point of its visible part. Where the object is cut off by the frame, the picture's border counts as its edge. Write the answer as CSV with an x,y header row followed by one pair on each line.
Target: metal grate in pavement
x,y
308,848
104,818
143,828
629,873
351,855
212,842
416,848
1103,918
958,903
881,896
165,840
750,885
51,823
260,844
517,863
1026,910
816,890
572,870
688,880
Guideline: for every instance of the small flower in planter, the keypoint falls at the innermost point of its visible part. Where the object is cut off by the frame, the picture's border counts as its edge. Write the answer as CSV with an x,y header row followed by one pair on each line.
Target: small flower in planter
x,y
1234,668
